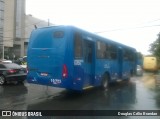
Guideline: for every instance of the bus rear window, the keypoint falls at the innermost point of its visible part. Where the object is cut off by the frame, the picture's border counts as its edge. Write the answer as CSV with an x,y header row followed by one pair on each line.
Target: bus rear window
x,y
48,39
58,34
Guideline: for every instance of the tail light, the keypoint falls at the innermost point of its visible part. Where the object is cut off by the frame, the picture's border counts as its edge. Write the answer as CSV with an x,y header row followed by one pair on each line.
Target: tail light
x,y
65,71
11,71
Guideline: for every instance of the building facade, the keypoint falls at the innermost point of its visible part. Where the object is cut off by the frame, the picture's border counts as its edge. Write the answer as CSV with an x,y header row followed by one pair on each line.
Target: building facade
x,y
32,23
12,27
1,26
15,28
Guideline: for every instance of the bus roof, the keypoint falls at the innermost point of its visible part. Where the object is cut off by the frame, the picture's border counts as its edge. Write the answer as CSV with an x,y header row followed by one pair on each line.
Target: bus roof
x,y
92,34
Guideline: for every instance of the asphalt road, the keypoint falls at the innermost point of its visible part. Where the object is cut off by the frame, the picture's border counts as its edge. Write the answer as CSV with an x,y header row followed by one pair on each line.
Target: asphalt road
x,y
140,93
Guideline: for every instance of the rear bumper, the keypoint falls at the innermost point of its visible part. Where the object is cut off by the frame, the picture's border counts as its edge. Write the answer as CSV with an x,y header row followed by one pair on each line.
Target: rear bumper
x,y
16,77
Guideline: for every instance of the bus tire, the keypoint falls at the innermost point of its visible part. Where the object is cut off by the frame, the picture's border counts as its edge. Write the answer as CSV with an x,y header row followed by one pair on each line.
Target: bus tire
x,y
104,84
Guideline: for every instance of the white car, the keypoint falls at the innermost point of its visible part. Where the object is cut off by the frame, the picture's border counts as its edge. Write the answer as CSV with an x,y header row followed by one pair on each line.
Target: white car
x,y
23,65
139,71
22,61
8,61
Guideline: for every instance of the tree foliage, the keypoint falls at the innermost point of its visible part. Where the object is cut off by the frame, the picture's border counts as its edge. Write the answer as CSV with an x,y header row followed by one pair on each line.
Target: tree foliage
x,y
155,47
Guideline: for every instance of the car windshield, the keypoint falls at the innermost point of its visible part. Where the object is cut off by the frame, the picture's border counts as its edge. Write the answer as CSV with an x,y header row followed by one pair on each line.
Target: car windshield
x,y
12,66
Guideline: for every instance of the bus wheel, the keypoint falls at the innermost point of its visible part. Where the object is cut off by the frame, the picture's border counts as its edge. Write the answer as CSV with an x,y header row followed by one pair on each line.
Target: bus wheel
x,y
105,82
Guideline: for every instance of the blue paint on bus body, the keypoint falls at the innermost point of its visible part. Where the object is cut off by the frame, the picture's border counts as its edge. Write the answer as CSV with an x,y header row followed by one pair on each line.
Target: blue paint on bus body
x,y
71,58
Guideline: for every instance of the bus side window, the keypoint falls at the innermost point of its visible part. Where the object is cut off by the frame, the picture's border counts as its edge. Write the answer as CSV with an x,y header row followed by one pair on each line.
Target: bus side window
x,y
125,55
78,45
113,51
132,56
128,55
102,50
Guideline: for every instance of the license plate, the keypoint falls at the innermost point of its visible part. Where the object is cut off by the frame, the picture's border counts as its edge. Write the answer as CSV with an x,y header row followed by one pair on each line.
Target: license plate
x,y
44,74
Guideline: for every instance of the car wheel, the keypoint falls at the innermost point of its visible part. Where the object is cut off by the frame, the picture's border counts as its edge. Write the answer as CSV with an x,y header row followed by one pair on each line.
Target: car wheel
x,y
2,80
105,82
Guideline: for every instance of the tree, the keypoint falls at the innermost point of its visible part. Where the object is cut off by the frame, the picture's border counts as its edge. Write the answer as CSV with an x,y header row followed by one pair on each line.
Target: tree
x,y
155,47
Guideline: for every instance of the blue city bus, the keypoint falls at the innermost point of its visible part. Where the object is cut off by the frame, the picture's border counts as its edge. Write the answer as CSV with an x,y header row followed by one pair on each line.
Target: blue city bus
x,y
71,58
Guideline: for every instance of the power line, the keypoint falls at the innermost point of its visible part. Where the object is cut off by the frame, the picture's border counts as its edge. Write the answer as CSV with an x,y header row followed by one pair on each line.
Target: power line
x,y
121,29
118,29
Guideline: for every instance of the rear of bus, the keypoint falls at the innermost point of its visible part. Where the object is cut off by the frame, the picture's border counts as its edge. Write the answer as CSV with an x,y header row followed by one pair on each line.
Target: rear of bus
x,y
46,57
150,63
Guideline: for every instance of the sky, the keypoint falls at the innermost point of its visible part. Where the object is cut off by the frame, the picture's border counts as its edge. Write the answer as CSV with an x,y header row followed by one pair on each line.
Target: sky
x,y
135,23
